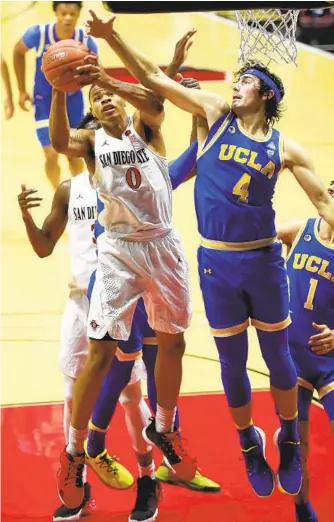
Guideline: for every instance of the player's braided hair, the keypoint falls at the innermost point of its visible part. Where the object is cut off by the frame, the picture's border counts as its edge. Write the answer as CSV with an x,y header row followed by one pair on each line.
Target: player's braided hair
x,y
273,109
89,122
55,4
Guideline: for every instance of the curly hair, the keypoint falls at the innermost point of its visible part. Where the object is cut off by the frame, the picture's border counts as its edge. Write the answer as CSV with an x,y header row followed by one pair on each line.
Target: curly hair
x,y
55,4
273,108
89,122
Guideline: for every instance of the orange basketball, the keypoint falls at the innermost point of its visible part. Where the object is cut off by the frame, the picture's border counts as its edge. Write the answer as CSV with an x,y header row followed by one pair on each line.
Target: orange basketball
x,y
61,60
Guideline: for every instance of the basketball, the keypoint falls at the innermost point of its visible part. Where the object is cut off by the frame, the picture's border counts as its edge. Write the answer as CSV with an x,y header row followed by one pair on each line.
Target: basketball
x,y
60,62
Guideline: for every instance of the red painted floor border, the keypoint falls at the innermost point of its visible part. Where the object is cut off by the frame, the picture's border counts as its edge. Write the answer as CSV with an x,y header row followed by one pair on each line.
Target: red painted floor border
x,y
32,439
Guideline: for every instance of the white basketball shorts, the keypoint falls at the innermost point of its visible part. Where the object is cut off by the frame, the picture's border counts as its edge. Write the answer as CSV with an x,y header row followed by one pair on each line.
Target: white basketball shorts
x,y
73,337
74,340
154,269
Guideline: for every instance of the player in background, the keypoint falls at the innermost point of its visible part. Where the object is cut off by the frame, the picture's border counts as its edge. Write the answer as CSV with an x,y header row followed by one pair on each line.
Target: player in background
x,y
310,266
242,273
74,208
8,95
40,37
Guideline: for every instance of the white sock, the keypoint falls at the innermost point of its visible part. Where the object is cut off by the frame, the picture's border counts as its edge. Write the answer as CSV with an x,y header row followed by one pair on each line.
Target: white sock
x,y
67,418
164,420
76,441
147,471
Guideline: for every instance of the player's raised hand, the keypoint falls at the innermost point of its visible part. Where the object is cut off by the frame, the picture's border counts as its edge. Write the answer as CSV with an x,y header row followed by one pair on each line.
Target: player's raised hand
x,y
25,98
189,83
91,72
98,27
322,342
182,47
26,201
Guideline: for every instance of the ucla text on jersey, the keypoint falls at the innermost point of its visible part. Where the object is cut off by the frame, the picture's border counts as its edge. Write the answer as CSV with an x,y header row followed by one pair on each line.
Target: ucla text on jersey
x,y
310,266
235,184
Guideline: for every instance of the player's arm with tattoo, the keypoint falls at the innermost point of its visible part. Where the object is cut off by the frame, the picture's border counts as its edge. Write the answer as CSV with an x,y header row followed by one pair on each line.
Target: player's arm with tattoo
x,y
43,240
73,143
199,103
297,161
150,107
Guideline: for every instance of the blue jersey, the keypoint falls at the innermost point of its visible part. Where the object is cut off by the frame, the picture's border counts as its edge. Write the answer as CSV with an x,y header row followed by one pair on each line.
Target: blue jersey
x,y
41,37
310,266
235,184
98,228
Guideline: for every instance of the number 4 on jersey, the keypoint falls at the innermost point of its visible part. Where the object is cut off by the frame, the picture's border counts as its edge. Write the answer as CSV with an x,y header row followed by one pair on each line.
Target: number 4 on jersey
x,y
241,188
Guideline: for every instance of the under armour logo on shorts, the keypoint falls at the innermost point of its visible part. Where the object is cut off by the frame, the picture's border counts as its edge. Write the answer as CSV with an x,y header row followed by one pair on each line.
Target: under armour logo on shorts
x,y
207,271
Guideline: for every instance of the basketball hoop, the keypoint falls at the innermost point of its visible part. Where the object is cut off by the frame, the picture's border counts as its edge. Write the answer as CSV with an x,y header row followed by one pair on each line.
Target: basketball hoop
x,y
268,35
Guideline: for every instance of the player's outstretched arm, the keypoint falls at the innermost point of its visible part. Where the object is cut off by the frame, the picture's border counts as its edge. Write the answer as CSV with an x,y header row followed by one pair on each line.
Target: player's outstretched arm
x,y
43,240
146,102
73,143
201,103
298,162
19,59
183,167
200,128
8,101
287,232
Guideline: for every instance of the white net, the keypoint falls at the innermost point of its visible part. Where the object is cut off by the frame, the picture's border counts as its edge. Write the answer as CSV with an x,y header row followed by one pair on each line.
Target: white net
x,y
268,35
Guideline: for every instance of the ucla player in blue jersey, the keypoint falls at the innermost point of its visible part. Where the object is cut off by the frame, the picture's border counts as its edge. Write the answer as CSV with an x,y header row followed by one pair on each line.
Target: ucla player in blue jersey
x,y
310,265
242,273
40,37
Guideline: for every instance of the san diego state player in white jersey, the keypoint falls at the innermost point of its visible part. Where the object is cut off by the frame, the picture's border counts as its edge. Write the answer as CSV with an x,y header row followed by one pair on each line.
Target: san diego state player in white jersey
x,y
140,256
73,208
40,37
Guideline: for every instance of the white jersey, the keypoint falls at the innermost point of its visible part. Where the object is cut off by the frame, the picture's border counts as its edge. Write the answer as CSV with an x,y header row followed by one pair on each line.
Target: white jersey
x,y
134,185
80,226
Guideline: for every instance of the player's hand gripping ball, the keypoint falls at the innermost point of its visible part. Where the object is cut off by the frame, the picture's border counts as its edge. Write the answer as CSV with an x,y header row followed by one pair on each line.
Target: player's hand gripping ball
x,y
60,62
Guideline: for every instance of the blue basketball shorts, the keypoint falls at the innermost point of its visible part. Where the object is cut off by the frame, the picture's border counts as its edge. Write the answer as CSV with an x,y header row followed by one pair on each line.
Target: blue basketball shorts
x,y
242,287
42,102
315,372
